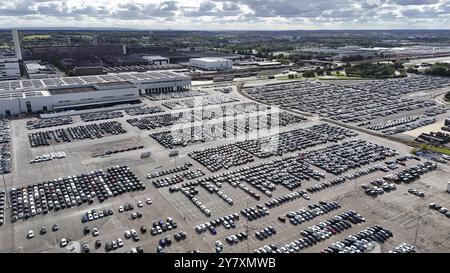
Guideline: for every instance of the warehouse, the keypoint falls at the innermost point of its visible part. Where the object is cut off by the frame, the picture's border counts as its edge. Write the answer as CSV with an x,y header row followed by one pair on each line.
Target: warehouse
x,y
156,60
74,97
61,94
216,64
9,66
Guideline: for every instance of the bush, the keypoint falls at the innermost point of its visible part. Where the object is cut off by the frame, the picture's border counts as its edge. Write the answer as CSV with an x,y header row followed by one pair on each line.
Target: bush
x,y
370,70
447,97
308,74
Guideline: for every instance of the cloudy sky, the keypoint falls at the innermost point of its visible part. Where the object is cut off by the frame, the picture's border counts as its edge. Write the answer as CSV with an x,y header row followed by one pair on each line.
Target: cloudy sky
x,y
227,14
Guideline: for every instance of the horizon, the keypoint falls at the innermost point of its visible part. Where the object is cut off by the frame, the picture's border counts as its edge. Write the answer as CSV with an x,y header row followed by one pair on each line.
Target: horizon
x,y
93,28
220,15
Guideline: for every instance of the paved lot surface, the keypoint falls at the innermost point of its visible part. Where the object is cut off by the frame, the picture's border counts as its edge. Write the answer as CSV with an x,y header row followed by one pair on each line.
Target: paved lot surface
x,y
406,215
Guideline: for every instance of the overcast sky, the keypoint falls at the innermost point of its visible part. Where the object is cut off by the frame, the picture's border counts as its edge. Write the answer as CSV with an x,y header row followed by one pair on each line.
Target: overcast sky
x,y
227,15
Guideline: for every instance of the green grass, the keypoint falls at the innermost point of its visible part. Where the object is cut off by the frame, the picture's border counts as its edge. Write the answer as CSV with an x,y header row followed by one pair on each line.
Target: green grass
x,y
424,147
338,77
34,37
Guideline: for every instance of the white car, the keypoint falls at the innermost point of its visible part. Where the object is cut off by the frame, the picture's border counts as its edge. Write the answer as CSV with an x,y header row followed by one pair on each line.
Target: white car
x,y
140,204
63,242
148,201
95,232
133,232
121,209
159,230
119,242
127,234
30,234
218,244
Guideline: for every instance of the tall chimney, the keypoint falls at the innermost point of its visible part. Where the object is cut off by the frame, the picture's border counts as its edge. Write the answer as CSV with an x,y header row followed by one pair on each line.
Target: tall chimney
x,y
124,49
16,41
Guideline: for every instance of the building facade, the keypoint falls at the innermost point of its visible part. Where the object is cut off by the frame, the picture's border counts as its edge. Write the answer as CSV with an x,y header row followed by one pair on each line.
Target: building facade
x,y
9,66
75,93
216,64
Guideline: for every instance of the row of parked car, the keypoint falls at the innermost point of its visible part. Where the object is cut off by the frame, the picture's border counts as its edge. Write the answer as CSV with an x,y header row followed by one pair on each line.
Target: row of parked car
x,y
175,95
116,151
410,174
90,131
199,102
190,193
421,122
404,248
95,214
177,169
48,122
304,214
352,103
439,208
177,178
379,187
265,233
236,238
162,120
275,202
161,226
48,157
227,222
434,138
361,241
392,123
101,115
294,140
338,159
243,152
147,110
223,128
5,146
315,234
2,207
71,191
416,192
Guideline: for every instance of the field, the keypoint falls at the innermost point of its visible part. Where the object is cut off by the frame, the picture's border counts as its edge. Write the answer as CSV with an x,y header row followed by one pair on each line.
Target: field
x,y
36,37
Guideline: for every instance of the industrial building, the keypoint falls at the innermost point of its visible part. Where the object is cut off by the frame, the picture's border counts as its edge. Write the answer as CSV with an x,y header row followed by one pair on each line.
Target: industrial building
x,y
74,93
157,60
217,64
9,66
35,70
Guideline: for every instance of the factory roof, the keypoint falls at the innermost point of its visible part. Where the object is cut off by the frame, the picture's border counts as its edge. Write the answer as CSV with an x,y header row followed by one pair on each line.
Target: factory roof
x,y
71,90
42,84
209,60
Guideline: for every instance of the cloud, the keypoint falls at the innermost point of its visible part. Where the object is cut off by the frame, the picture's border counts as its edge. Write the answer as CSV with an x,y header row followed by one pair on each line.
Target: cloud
x,y
415,2
228,14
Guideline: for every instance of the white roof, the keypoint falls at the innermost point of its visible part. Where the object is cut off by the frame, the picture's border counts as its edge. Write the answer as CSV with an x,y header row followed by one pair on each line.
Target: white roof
x,y
210,60
41,84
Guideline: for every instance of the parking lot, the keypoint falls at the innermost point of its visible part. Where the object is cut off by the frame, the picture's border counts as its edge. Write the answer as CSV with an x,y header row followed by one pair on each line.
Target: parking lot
x,y
266,168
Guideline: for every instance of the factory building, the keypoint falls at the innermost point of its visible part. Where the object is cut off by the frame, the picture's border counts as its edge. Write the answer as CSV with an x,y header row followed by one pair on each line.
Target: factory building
x,y
35,70
156,60
216,64
9,66
76,93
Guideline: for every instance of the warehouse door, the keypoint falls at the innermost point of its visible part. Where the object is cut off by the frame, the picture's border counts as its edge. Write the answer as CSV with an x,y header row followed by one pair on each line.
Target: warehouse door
x,y
29,107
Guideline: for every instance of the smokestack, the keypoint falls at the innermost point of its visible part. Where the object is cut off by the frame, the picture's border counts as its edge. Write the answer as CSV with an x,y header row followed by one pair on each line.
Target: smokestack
x,y
16,41
124,49
69,42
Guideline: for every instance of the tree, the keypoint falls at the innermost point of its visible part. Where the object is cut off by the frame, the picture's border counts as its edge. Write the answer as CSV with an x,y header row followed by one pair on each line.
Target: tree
x,y
308,74
447,97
